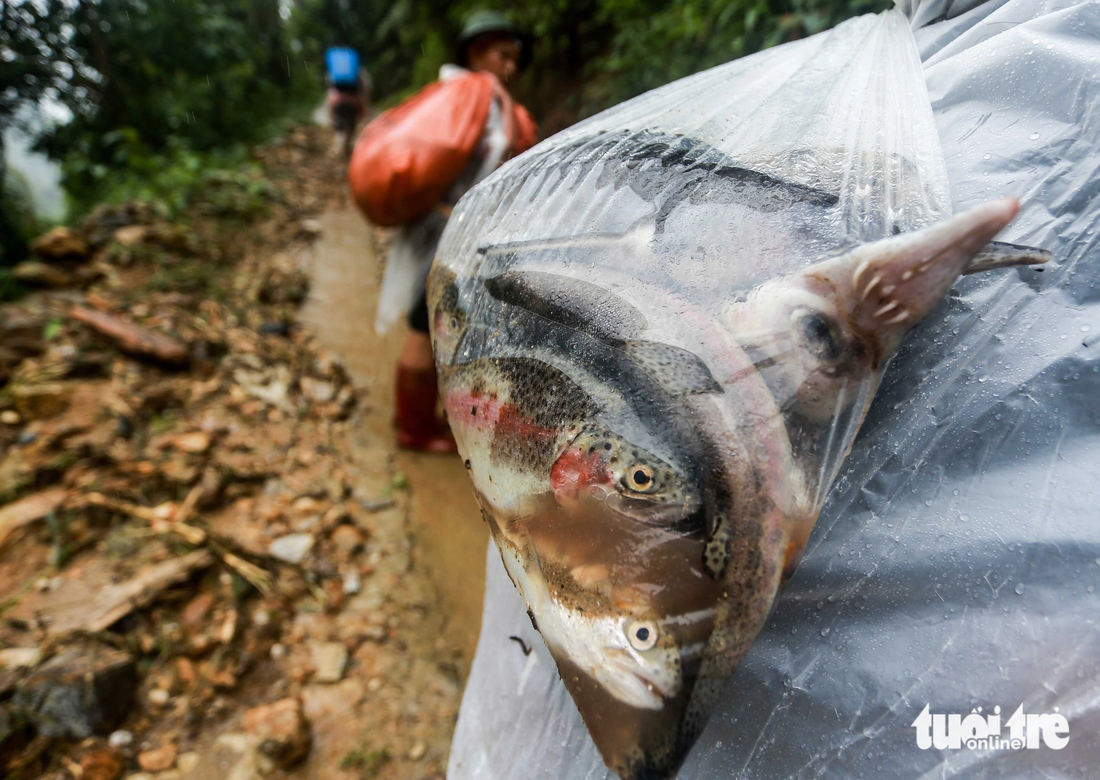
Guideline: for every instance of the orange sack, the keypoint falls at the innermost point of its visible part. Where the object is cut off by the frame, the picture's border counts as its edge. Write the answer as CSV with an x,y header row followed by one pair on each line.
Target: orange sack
x,y
406,159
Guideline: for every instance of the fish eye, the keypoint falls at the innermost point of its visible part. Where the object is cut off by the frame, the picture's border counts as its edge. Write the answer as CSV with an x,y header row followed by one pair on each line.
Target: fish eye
x,y
642,635
639,478
819,336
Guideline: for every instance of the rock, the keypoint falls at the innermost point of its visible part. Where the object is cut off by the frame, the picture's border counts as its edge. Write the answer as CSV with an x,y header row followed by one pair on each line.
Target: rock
x,y
80,692
310,228
41,401
194,443
187,761
269,386
61,243
10,417
347,539
20,657
105,220
159,697
102,764
38,274
308,505
132,338
292,548
159,759
197,609
130,235
418,750
282,730
23,334
120,739
352,582
275,328
329,661
316,390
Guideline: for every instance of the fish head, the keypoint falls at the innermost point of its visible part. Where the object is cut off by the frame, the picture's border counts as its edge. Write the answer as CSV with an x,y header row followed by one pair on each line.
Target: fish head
x,y
633,659
601,466
818,333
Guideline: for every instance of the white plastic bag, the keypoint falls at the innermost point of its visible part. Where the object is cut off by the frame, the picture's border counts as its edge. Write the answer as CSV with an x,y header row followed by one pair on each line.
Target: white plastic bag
x,y
954,526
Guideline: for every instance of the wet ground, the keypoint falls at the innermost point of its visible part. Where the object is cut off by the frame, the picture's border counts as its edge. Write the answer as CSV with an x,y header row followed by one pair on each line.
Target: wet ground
x,y
451,537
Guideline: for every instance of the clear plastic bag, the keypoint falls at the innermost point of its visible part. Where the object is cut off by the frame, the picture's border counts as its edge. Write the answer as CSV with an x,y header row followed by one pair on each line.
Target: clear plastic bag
x,y
954,531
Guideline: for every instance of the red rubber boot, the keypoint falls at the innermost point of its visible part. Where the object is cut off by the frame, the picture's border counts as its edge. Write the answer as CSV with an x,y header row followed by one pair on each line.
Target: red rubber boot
x,y
417,426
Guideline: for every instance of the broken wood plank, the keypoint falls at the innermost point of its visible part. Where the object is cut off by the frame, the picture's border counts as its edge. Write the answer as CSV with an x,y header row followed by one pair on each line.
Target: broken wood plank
x,y
27,510
117,601
133,338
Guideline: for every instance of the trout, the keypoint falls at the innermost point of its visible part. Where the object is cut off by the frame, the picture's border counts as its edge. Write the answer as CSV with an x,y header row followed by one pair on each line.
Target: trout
x,y
650,444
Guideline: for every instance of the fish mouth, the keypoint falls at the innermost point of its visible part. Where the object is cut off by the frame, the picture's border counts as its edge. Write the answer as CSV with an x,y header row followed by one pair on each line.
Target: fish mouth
x,y
641,690
650,510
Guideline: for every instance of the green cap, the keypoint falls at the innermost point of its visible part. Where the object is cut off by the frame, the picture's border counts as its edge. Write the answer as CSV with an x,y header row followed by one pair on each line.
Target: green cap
x,y
483,22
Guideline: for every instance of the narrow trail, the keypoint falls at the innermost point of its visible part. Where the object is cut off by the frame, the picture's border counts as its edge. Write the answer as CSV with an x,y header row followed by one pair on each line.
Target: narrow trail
x,y
346,269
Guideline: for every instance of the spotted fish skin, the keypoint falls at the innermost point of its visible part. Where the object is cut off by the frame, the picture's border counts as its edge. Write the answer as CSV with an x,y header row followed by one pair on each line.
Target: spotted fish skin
x,y
651,457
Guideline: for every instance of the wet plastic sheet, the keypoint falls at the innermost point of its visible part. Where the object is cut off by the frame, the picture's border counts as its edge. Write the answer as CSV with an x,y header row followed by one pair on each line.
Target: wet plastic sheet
x,y
956,562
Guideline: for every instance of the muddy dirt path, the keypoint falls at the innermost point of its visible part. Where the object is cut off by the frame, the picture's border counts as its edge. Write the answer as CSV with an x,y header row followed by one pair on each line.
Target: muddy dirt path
x,y
346,271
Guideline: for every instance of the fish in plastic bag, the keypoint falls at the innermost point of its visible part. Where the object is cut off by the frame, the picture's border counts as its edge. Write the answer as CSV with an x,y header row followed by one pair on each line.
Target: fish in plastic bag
x,y
657,335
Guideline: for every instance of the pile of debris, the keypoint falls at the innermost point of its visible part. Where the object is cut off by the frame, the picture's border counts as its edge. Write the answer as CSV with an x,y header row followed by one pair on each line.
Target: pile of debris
x,y
187,551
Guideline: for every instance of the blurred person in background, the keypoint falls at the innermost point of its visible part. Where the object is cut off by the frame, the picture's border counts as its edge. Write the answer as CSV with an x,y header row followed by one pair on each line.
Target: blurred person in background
x,y
489,44
348,98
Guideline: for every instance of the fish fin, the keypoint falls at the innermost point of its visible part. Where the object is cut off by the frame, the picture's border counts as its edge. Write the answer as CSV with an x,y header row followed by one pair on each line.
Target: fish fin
x,y
678,371
1000,254
576,304
716,553
679,155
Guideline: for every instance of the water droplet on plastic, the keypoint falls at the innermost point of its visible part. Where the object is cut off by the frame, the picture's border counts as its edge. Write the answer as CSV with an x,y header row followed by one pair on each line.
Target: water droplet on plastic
x,y
1019,589
964,517
825,631
1034,136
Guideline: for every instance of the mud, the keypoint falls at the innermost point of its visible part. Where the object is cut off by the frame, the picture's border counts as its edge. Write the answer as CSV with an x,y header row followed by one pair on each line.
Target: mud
x,y
346,270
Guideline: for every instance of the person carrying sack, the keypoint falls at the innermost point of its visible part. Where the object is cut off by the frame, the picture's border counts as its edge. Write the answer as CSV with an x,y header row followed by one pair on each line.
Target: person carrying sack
x,y
410,166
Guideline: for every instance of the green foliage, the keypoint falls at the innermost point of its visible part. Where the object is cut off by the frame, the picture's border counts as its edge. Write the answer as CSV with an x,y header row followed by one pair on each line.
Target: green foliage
x,y
692,35
10,289
225,181
158,90
189,276
367,761
53,329
588,54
